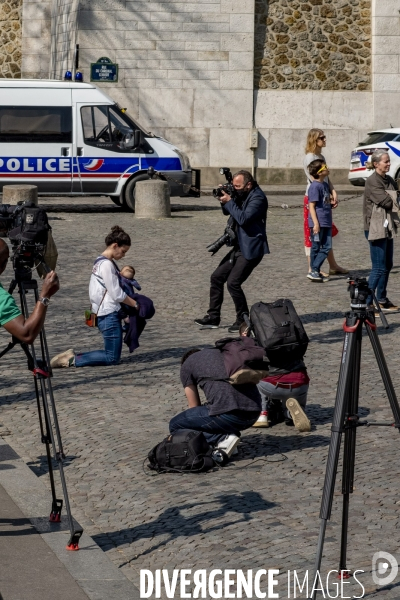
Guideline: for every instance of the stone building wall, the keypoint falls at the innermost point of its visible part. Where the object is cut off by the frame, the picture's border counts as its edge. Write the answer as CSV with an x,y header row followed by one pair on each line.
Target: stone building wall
x,y
313,44
10,38
64,23
185,69
36,27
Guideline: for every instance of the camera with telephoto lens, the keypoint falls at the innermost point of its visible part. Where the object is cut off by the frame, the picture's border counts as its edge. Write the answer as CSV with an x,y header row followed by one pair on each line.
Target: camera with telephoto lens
x,y
27,227
227,239
227,188
359,292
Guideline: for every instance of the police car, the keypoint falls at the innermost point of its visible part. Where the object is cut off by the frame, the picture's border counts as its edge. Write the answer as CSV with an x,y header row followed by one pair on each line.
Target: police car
x,y
389,139
70,138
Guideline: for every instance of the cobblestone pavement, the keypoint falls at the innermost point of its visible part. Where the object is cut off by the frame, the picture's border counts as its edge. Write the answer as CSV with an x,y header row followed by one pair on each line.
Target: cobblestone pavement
x,y
262,510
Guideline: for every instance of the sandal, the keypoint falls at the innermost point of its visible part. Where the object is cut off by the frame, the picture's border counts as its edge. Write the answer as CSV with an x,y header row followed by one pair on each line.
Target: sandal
x,y
338,271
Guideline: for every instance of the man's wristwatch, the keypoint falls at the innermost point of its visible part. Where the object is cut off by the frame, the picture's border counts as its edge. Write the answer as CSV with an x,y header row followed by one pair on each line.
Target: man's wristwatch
x,y
44,301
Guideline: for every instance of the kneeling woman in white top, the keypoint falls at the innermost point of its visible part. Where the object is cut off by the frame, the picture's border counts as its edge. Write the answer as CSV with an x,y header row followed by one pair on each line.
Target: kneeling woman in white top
x,y
106,296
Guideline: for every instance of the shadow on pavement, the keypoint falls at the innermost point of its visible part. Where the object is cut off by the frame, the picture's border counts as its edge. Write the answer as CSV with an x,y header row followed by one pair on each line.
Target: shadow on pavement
x,y
40,466
10,523
320,415
261,445
173,523
321,317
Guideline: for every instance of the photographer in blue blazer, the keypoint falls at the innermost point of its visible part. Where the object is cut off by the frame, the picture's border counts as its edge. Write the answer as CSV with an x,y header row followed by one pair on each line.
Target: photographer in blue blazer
x,y
246,234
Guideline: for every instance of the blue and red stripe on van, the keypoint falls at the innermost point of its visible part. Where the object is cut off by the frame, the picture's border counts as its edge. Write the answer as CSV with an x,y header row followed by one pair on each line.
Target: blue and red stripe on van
x,y
97,175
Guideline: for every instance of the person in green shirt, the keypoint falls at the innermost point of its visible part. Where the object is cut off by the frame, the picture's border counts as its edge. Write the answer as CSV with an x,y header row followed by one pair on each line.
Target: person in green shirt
x,y
25,330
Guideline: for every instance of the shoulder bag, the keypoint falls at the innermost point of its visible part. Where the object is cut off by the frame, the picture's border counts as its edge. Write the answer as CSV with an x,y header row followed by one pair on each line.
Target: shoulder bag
x,y
91,317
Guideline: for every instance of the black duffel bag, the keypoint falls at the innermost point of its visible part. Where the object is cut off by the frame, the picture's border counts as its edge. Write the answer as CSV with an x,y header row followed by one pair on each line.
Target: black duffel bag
x,y
185,451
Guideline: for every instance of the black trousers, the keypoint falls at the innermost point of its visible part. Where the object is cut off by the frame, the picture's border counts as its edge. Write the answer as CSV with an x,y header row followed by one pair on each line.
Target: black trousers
x,y
233,270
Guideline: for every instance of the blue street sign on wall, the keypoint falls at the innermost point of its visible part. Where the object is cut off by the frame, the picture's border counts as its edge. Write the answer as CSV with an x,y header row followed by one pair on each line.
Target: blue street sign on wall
x,y
104,70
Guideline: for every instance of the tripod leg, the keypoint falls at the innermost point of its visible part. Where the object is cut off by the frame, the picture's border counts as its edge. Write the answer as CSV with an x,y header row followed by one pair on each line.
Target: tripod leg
x,y
55,515
41,373
73,543
387,380
349,451
350,327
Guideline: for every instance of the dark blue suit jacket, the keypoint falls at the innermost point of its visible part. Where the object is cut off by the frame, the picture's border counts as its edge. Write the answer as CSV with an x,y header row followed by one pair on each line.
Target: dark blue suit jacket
x,y
251,221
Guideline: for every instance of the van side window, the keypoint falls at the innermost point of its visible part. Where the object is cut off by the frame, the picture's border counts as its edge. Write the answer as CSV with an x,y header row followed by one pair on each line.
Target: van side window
x,y
95,124
36,124
105,128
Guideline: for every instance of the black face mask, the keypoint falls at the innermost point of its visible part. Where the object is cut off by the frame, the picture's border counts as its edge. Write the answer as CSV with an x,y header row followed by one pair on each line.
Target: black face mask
x,y
242,194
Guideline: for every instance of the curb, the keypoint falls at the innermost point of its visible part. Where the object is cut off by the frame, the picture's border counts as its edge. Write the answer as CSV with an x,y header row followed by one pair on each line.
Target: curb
x,y
95,574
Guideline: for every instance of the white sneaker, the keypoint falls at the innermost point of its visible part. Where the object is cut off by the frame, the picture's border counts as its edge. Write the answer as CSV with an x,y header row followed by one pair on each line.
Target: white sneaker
x,y
300,419
262,420
229,444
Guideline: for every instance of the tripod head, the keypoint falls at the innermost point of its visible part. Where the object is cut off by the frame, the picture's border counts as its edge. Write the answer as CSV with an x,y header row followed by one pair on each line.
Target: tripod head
x,y
359,292
25,257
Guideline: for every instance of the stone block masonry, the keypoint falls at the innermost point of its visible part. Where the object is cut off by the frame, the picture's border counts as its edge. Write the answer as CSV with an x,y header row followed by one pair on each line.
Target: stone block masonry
x,y
187,71
10,38
183,67
313,45
36,36
63,36
181,45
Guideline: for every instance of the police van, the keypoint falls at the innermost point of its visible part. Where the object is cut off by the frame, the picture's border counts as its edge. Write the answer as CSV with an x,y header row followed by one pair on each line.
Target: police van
x,y
70,138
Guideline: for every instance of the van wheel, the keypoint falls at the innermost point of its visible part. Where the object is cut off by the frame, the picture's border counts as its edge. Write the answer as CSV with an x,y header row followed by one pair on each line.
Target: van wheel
x,y
129,196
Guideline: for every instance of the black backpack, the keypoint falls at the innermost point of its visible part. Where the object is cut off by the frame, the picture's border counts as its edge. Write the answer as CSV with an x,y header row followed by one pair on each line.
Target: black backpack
x,y
32,225
278,329
185,451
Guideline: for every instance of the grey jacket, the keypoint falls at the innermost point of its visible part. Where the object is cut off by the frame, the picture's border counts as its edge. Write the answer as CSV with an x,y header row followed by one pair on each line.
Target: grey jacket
x,y
375,193
384,223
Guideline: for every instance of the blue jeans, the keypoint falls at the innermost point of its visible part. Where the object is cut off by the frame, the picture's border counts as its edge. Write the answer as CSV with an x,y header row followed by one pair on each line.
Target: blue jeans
x,y
269,391
320,250
111,329
213,427
382,262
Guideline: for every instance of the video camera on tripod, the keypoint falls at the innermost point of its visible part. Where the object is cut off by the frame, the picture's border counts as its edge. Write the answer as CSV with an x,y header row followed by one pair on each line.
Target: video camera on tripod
x,y
27,227
359,293
346,419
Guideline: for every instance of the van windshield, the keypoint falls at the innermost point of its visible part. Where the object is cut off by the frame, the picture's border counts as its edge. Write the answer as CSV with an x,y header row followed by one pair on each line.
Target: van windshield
x,y
376,137
132,122
37,124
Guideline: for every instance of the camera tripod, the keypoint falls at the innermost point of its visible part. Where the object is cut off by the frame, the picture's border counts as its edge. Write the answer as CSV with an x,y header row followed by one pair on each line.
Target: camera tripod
x,y
49,427
346,419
